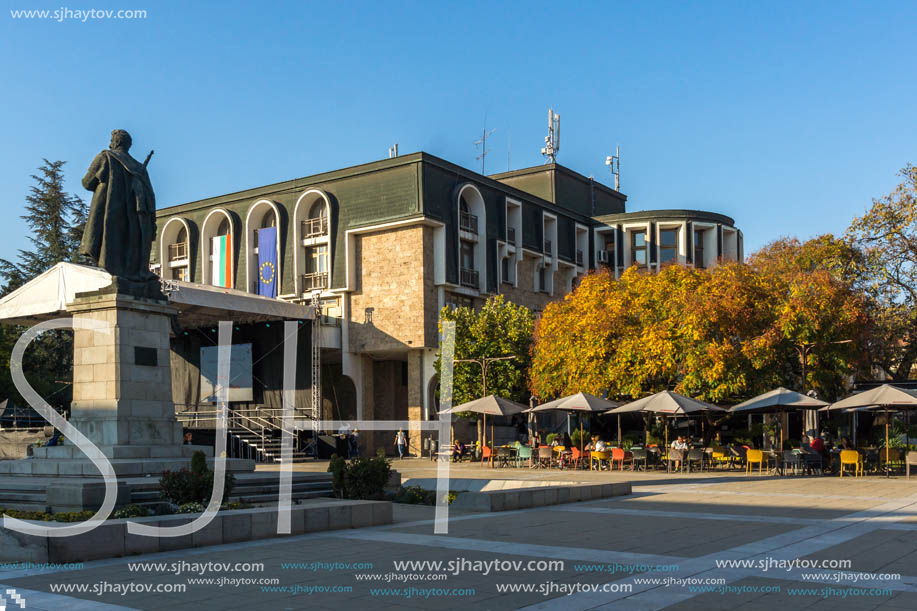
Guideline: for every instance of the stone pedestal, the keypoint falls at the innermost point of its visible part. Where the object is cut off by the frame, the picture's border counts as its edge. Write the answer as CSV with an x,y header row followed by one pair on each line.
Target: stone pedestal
x,y
122,401
122,382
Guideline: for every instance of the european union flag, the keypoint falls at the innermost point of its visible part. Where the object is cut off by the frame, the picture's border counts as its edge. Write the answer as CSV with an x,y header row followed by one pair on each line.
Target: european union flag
x,y
267,262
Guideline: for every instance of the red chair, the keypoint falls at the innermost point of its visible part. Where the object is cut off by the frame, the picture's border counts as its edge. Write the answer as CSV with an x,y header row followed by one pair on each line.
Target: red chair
x,y
617,456
485,454
578,458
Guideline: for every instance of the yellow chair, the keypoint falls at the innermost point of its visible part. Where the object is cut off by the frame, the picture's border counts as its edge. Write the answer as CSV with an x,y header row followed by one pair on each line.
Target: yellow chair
x,y
891,457
851,457
754,456
719,457
598,457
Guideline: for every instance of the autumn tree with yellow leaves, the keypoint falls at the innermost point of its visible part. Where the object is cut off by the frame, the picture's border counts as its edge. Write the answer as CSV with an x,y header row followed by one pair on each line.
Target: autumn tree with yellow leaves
x,y
720,335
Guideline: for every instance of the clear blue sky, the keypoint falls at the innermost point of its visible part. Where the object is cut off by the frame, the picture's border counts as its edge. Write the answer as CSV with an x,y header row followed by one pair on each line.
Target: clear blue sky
x,y
787,116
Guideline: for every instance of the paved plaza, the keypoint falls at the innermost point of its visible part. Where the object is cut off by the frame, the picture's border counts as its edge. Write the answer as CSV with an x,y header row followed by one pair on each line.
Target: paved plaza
x,y
657,548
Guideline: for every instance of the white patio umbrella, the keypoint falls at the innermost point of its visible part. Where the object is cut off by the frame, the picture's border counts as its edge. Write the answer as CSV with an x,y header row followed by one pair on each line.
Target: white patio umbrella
x,y
779,400
667,403
580,403
885,398
492,405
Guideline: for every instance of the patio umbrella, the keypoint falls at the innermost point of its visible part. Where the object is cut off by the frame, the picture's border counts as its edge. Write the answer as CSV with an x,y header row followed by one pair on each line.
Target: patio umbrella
x,y
667,403
884,398
580,403
492,405
780,400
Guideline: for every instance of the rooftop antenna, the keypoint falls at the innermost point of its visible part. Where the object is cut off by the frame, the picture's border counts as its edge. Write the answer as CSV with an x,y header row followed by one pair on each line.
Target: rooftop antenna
x,y
483,143
614,164
552,140
393,151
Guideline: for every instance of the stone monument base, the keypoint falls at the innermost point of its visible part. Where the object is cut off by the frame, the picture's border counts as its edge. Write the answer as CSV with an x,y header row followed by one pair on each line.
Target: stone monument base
x,y
122,402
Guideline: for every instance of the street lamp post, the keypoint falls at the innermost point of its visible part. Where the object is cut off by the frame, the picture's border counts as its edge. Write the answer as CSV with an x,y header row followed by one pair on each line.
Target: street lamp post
x,y
484,361
803,348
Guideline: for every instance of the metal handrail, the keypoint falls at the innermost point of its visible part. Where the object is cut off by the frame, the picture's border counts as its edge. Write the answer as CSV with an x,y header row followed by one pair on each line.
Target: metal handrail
x,y
178,251
317,280
547,247
316,227
468,222
469,278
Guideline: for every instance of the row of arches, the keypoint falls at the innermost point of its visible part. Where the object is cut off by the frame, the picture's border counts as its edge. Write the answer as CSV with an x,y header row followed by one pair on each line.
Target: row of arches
x,y
220,241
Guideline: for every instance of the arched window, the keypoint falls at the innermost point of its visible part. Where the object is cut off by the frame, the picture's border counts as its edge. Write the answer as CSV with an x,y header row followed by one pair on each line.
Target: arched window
x,y
318,210
312,234
218,247
316,260
472,252
263,216
175,250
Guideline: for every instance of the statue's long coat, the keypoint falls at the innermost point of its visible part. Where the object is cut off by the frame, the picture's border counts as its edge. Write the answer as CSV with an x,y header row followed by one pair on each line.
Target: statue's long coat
x,y
121,225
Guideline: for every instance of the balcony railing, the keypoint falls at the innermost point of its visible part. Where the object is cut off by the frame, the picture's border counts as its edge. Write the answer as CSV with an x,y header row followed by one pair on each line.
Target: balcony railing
x,y
314,282
511,235
178,251
314,228
547,247
469,278
468,222
579,257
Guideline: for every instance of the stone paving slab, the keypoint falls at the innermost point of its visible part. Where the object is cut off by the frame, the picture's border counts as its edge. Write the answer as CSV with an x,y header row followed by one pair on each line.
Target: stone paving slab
x,y
687,520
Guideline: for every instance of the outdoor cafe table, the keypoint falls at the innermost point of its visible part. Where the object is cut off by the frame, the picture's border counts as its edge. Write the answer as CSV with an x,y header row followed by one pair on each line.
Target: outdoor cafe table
x,y
506,453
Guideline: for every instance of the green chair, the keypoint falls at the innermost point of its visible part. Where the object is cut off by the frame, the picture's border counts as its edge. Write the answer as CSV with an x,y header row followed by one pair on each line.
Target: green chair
x,y
524,453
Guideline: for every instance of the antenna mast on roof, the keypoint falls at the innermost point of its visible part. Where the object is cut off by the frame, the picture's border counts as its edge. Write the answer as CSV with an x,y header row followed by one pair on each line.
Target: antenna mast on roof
x,y
393,151
614,164
483,143
552,140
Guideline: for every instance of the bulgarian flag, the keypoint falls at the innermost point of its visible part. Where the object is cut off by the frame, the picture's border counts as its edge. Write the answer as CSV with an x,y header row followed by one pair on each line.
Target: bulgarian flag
x,y
221,272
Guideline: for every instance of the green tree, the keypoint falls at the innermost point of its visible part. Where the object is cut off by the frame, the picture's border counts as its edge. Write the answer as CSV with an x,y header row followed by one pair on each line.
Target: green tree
x,y
499,328
887,234
55,219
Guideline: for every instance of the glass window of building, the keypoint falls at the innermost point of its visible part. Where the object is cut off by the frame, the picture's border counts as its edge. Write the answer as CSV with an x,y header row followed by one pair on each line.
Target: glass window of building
x,y
668,246
638,247
699,249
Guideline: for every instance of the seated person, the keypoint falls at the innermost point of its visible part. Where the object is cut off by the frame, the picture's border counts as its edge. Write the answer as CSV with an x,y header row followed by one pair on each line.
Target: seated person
x,y
845,444
600,446
804,444
818,445
566,441
679,450
458,450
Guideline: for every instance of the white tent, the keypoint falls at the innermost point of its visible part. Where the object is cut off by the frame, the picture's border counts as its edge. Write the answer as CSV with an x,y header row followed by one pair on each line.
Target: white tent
x,y
46,296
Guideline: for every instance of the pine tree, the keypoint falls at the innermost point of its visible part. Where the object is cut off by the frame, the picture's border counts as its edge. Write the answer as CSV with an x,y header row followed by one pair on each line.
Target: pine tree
x,y
56,220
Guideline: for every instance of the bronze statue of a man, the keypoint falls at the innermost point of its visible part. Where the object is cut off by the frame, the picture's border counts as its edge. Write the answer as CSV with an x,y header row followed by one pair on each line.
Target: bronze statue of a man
x,y
122,217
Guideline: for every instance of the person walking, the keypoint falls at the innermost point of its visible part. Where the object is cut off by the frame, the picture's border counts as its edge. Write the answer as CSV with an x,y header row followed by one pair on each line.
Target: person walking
x,y
401,442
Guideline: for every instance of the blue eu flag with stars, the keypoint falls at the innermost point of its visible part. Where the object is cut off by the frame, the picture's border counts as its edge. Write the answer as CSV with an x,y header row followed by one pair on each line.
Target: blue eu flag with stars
x,y
268,271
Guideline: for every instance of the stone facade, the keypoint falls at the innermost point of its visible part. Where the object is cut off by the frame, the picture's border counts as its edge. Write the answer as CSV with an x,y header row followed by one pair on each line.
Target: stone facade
x,y
393,305
122,392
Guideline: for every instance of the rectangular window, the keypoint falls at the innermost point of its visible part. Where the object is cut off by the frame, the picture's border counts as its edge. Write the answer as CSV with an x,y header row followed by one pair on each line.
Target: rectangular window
x,y
638,248
542,280
699,249
467,255
668,246
504,270
317,259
